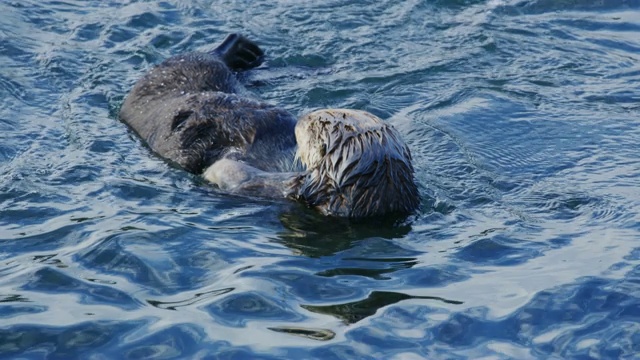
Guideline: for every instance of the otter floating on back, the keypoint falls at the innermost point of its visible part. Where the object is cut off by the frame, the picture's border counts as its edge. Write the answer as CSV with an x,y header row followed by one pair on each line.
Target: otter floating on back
x,y
192,110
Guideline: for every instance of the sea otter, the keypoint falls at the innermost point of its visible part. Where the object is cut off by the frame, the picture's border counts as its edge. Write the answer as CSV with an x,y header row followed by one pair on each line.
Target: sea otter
x,y
192,110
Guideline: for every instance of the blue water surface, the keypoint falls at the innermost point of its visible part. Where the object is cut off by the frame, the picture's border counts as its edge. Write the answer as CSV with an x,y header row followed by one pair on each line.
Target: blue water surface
x,y
523,117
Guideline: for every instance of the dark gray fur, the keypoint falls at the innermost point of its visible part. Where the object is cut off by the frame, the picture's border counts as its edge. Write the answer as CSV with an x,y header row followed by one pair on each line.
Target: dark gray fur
x,y
192,110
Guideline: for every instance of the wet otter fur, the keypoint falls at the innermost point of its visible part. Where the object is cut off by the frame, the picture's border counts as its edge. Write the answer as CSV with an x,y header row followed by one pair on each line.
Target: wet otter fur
x,y
192,110
357,165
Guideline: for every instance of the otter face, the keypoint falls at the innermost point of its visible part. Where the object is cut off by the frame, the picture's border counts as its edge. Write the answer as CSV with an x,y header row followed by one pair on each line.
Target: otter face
x,y
357,165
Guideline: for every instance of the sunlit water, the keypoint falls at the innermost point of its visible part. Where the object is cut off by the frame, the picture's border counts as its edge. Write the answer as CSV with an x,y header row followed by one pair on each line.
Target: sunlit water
x,y
523,118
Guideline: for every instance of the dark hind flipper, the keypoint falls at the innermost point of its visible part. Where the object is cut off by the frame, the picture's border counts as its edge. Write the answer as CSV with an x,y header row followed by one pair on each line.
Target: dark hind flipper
x,y
239,53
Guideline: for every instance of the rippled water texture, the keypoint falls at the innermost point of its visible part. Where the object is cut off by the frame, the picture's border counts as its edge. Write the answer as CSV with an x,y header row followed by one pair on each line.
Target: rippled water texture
x,y
523,121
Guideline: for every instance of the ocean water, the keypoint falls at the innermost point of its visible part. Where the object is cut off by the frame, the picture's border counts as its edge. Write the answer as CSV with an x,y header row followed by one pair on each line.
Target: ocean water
x,y
523,118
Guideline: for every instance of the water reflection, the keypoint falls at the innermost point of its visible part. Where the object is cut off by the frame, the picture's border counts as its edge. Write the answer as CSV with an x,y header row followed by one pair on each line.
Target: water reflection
x,y
354,311
13,298
394,264
313,235
314,334
197,298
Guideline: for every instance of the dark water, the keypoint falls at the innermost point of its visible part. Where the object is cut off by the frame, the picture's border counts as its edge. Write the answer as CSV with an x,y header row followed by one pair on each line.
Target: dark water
x,y
523,119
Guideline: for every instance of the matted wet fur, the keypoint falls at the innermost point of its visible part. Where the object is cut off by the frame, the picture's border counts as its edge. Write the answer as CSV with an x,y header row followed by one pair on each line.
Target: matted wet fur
x,y
357,165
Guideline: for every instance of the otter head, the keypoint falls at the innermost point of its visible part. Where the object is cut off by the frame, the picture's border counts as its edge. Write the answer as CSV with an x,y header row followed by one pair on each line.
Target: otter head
x,y
357,165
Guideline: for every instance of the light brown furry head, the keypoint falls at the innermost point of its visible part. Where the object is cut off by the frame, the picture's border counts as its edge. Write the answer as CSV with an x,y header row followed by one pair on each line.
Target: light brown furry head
x,y
357,165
